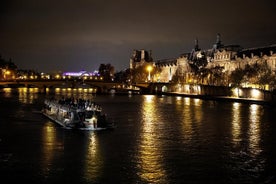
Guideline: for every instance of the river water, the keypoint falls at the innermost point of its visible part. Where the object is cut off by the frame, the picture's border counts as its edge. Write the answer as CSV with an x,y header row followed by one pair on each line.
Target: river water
x,y
158,139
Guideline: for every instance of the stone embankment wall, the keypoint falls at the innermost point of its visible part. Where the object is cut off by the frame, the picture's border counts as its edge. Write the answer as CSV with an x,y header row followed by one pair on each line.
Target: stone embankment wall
x,y
215,91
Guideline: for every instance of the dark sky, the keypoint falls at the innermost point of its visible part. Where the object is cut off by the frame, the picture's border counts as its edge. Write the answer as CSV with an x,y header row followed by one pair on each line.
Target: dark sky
x,y
71,35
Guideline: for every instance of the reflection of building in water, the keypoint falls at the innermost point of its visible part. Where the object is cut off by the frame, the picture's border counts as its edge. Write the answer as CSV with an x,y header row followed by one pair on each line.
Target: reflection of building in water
x,y
28,95
150,157
93,167
236,123
220,56
254,129
49,150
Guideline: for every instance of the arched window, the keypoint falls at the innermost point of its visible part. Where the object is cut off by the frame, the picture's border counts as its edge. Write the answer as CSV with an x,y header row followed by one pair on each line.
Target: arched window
x,y
164,89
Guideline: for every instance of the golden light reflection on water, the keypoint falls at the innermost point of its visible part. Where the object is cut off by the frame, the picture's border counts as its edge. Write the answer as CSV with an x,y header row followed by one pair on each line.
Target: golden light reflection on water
x,y
93,169
192,117
76,92
253,131
186,121
187,101
236,122
7,92
178,98
197,110
150,156
51,144
197,102
254,128
27,95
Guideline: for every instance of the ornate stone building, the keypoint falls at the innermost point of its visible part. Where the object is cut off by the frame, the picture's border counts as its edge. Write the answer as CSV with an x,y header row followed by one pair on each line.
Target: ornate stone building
x,y
226,57
169,68
233,56
140,58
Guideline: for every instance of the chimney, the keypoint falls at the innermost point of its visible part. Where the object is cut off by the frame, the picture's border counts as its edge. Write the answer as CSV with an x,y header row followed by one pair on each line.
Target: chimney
x,y
142,54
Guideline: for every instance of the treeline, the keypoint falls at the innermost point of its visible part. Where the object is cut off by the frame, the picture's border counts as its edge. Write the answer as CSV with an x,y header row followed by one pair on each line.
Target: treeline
x,y
7,64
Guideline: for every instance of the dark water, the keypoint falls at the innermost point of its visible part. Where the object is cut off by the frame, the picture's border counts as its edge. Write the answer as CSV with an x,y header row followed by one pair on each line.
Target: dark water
x,y
158,139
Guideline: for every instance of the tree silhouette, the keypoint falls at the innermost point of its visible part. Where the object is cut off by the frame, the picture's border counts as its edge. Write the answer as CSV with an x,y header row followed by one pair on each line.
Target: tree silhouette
x,y
106,71
236,77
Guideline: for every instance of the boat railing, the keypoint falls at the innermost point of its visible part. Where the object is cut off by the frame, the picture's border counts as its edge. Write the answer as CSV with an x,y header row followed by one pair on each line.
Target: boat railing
x,y
73,107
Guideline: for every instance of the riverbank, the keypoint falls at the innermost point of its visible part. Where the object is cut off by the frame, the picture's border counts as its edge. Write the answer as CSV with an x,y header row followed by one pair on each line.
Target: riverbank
x,y
223,98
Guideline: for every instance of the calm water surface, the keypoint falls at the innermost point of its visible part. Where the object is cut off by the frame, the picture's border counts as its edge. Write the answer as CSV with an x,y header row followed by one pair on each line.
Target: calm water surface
x,y
158,139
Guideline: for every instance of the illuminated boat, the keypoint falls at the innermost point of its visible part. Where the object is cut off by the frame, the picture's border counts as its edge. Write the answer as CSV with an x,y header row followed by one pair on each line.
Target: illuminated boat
x,y
82,115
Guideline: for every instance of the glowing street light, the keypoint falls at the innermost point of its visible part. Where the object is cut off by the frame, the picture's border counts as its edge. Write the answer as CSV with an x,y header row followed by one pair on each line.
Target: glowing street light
x,y
57,76
149,69
7,74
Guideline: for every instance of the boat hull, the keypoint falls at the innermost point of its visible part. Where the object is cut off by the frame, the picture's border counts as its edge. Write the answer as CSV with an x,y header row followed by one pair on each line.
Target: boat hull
x,y
84,127
72,117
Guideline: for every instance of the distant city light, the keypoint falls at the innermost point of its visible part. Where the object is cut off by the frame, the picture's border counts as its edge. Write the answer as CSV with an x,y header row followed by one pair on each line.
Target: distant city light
x,y
255,93
81,73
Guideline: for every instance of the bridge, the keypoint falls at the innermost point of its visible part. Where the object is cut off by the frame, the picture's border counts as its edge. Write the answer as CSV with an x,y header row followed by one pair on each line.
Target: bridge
x,y
154,87
42,84
100,86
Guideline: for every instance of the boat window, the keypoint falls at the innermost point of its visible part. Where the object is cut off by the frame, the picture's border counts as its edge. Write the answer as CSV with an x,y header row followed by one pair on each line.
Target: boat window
x,y
88,114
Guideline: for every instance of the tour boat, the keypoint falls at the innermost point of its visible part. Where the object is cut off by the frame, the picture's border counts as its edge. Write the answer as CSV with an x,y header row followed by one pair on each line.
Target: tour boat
x,y
76,114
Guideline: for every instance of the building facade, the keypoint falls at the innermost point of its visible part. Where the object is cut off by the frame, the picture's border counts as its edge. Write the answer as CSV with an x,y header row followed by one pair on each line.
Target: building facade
x,y
140,58
227,58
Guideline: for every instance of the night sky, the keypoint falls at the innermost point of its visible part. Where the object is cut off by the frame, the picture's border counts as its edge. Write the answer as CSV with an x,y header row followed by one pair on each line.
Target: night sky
x,y
74,35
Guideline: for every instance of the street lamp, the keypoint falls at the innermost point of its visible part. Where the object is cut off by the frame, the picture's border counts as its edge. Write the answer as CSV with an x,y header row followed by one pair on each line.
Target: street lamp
x,y
6,74
149,68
